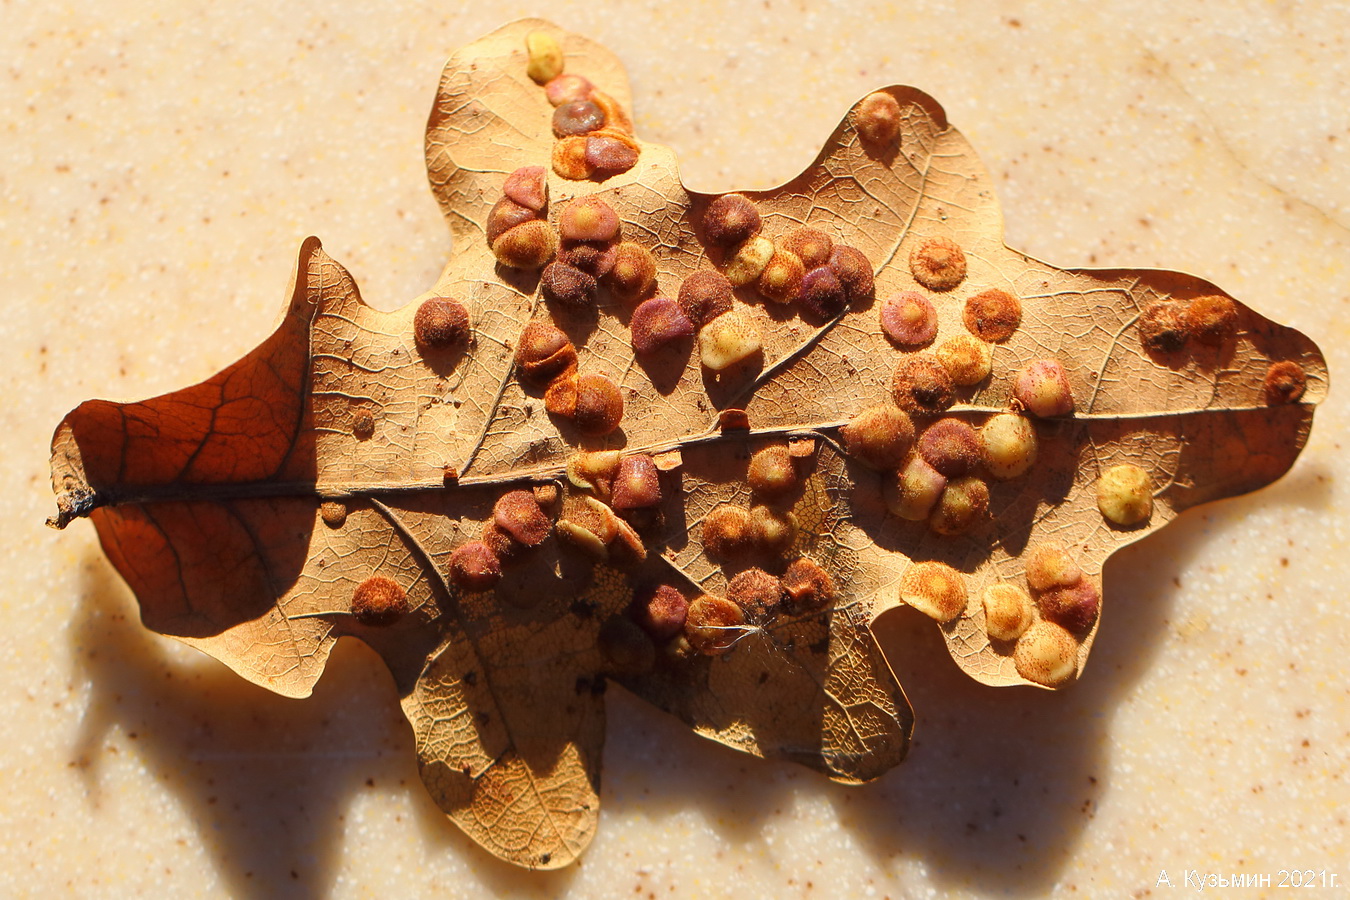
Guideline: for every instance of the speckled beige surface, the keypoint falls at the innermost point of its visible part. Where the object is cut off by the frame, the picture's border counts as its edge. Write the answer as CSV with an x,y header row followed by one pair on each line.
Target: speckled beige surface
x,y
160,164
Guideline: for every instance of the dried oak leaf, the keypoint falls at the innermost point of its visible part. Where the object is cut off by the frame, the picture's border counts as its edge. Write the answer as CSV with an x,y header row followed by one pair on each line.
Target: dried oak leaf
x,y
319,487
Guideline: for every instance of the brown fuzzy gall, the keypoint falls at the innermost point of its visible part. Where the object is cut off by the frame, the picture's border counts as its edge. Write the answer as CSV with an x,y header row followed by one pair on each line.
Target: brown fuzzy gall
x,y
566,88
657,323
774,531
704,296
379,601
1043,390
633,274
568,286
713,625
812,246
526,246
474,567
880,436
821,293
440,323
921,384
771,472
1162,328
909,319
808,586
637,484
728,532
1212,320
781,279
544,353
505,215
1074,607
938,264
588,219
730,219
963,504
952,447
518,514
577,117
660,611
878,119
993,315
599,405
626,648
528,187
560,398
363,425
1285,382
757,592
854,271
499,541
333,513
935,589
610,152
595,258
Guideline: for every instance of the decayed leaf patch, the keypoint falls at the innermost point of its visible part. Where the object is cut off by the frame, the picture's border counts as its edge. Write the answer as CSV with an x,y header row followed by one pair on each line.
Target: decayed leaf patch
x,y
770,410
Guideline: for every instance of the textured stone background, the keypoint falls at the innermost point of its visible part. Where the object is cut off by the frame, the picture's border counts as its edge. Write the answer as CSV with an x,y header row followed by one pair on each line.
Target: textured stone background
x,y
160,164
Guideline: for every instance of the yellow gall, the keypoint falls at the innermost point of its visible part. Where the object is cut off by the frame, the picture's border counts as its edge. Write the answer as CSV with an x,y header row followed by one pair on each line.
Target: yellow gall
x,y
756,592
632,275
333,513
626,648
730,219
704,296
966,358
809,587
440,323
588,219
589,525
912,492
963,504
880,436
1050,565
938,264
544,353
1125,494
594,470
599,406
992,315
526,246
1009,444
1212,320
518,514
773,531
379,601
746,261
1043,390
527,187
544,57
728,340
1047,655
637,484
660,610
811,245
713,625
1007,612
952,447
781,280
909,319
921,384
1162,328
728,532
1285,383
772,472
878,120
934,589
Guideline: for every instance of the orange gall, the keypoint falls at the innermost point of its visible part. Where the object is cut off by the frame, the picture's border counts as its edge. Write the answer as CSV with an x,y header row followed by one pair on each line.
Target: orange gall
x,y
379,601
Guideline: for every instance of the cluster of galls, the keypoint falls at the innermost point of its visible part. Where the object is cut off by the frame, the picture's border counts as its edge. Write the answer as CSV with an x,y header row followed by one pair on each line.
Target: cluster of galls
x,y
594,135
1168,329
547,359
622,496
1043,634
521,519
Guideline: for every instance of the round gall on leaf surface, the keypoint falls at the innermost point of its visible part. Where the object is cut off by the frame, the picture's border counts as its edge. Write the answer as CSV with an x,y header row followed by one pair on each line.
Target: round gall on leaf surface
x,y
935,589
1125,494
1047,655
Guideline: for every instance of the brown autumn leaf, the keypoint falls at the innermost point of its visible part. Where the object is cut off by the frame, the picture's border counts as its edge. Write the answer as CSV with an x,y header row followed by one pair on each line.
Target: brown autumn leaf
x,y
322,485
